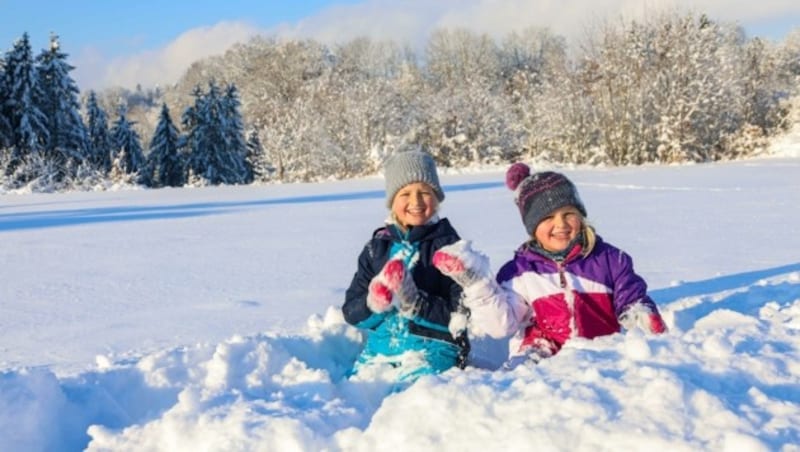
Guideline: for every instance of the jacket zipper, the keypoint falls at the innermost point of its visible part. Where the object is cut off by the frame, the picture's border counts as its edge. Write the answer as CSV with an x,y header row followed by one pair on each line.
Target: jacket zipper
x,y
561,277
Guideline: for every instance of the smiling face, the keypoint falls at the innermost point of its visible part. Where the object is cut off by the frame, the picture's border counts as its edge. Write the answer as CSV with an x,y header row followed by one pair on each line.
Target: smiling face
x,y
414,204
558,229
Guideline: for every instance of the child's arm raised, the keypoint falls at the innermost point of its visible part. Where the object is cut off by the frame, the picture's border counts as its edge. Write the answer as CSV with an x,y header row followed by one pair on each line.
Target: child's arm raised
x,y
493,311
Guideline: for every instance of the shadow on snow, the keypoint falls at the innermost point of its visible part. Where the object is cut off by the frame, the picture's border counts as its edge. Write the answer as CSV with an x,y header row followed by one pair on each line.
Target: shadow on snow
x,y
74,217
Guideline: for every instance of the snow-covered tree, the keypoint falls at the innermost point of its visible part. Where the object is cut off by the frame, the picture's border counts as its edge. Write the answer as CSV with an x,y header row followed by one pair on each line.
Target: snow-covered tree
x,y
99,137
533,62
277,82
470,125
165,166
762,83
671,88
127,158
19,106
789,57
345,97
262,169
67,141
469,121
213,157
6,133
461,57
233,126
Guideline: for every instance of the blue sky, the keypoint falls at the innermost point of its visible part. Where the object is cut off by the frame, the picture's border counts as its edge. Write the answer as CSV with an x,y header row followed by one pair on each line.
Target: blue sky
x,y
119,27
123,43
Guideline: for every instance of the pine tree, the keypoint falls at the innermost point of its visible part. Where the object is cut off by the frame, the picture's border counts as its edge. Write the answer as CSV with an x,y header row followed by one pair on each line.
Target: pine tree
x,y
99,138
197,159
128,157
27,122
260,170
5,132
212,156
164,163
5,122
235,139
66,144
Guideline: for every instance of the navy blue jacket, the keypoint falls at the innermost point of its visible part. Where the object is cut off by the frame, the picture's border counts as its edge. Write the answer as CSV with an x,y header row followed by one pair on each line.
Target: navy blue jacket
x,y
439,295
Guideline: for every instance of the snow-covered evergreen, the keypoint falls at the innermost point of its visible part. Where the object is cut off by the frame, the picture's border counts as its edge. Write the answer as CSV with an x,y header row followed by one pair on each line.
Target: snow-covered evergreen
x,y
28,122
98,135
260,170
165,166
127,157
6,132
216,148
233,128
67,141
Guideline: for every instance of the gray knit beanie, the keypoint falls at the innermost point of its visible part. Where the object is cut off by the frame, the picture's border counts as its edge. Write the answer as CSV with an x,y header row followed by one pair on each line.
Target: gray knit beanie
x,y
538,194
408,167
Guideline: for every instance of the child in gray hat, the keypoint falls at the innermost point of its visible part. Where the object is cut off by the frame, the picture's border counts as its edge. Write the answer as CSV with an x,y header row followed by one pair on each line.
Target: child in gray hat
x,y
405,305
563,282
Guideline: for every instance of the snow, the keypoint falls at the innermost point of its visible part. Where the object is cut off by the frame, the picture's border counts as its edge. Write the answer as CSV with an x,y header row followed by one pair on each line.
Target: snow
x,y
207,319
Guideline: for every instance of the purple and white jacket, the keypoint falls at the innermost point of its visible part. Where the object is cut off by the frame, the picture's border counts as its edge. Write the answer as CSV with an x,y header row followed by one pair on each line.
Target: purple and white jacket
x,y
544,303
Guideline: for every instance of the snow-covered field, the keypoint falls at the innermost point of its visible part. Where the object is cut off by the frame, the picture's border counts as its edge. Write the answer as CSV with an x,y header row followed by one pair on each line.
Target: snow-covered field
x,y
208,319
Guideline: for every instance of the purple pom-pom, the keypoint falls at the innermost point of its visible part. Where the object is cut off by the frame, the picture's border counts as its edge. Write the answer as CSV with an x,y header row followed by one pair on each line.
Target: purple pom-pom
x,y
516,174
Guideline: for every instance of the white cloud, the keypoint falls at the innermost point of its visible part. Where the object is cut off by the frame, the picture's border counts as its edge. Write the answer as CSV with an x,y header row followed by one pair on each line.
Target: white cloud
x,y
412,20
160,66
407,21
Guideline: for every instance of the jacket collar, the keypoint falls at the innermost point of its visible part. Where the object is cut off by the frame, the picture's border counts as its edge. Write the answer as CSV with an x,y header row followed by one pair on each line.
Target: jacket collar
x,y
433,228
531,251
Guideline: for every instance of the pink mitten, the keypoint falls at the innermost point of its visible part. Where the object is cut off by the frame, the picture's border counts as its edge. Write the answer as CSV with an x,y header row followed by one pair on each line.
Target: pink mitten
x,y
393,284
381,288
461,263
379,297
399,281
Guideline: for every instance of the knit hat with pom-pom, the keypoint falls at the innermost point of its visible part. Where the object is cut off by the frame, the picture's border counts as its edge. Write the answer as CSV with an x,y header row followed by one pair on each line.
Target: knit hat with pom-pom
x,y
538,194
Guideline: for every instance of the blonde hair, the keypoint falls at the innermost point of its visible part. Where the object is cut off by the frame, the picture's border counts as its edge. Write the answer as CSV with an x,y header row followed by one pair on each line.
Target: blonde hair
x,y
589,237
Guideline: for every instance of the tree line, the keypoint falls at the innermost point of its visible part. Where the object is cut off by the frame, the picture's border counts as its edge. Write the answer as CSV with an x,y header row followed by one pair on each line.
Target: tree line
x,y
47,144
672,88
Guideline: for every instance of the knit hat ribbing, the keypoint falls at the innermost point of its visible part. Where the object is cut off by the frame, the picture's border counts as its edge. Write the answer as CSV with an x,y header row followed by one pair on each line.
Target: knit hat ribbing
x,y
538,194
408,167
